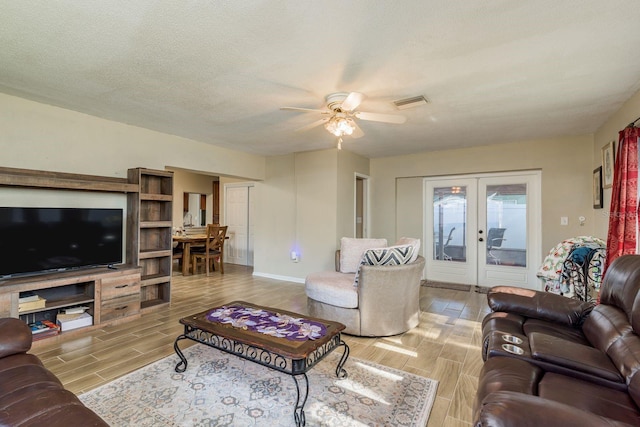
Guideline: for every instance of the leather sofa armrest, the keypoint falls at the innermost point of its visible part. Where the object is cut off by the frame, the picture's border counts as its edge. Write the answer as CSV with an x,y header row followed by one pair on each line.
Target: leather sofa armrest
x,y
507,408
574,356
539,305
15,337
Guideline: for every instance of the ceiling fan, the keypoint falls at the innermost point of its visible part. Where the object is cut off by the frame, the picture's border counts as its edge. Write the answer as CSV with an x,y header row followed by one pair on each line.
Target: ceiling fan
x,y
340,114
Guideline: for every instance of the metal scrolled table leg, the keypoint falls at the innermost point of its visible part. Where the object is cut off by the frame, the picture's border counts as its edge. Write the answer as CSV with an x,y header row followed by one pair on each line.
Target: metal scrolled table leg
x,y
298,413
340,371
183,360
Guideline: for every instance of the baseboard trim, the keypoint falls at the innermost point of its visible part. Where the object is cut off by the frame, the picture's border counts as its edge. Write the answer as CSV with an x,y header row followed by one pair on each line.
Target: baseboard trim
x,y
455,286
446,285
278,277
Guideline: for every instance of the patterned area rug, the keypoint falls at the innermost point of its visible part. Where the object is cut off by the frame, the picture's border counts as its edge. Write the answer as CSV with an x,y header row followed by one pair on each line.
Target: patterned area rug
x,y
219,389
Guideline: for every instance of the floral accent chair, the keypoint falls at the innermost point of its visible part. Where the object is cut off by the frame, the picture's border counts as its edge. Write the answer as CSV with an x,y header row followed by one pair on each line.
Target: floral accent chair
x,y
375,289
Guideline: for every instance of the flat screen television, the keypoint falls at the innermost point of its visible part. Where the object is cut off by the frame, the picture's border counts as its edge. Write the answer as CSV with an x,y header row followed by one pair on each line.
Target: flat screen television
x,y
39,240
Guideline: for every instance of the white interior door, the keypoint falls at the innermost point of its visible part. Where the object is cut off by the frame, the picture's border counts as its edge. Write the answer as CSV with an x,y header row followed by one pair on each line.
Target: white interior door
x,y
483,230
237,217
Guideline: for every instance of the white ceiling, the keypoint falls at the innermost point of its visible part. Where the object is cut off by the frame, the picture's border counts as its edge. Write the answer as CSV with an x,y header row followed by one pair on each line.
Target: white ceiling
x,y
218,71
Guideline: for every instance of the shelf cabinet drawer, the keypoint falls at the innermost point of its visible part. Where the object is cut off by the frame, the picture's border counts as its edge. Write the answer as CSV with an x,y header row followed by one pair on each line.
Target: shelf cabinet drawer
x,y
123,306
120,286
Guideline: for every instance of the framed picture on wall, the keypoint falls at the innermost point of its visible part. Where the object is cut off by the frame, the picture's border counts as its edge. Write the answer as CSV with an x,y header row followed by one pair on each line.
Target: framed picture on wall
x,y
597,188
608,162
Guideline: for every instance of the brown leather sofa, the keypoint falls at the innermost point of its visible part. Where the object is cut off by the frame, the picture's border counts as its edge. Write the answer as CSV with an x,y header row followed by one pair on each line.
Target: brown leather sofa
x,y
30,395
554,361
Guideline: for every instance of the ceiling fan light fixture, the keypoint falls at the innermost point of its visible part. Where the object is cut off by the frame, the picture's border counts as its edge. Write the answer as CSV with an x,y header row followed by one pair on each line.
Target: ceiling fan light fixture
x,y
340,126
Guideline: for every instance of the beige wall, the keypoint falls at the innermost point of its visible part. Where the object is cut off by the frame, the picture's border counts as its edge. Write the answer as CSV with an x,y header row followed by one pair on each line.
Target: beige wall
x,y
275,218
306,203
408,209
605,134
348,165
566,184
298,210
39,136
188,182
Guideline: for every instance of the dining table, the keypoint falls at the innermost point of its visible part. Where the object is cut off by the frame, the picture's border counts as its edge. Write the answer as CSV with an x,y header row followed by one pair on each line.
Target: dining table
x,y
187,241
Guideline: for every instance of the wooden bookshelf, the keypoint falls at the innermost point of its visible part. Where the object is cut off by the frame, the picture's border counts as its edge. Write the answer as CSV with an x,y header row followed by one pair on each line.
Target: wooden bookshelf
x,y
149,227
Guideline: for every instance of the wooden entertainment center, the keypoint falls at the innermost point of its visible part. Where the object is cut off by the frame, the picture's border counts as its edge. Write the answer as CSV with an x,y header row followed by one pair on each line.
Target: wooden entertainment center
x,y
110,294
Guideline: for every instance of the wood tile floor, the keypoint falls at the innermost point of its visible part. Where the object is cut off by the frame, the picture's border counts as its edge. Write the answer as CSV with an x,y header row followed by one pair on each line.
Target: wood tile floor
x,y
445,346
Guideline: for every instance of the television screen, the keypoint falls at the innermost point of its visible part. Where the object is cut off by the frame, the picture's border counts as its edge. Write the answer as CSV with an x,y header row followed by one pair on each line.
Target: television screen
x,y
34,240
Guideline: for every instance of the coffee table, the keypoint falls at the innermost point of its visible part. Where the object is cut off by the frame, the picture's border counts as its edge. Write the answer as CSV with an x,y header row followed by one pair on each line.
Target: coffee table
x,y
282,340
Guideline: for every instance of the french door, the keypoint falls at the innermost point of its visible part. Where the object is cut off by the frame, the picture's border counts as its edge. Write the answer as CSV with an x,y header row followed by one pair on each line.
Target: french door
x,y
483,229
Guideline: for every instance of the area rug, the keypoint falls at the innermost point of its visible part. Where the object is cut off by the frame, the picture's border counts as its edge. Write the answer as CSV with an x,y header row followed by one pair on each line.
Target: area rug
x,y
219,389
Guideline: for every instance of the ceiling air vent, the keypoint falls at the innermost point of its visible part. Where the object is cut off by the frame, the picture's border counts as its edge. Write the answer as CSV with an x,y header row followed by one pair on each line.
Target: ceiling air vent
x,y
412,102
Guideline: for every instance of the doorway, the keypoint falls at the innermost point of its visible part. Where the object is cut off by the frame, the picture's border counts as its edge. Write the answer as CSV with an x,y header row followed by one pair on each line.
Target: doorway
x,y
361,206
483,229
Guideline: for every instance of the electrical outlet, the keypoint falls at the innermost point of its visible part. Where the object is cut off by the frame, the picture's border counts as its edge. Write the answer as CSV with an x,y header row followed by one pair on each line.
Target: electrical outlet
x,y
564,220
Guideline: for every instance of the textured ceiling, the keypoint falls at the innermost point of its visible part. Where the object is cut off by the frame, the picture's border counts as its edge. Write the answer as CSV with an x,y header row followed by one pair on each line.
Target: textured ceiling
x,y
218,71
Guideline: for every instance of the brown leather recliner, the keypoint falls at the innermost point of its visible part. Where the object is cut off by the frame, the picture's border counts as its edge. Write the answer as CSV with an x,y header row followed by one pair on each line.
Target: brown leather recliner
x,y
30,395
577,364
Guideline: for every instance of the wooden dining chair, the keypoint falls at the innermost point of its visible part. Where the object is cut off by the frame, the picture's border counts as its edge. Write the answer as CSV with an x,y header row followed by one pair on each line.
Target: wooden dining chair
x,y
177,253
213,249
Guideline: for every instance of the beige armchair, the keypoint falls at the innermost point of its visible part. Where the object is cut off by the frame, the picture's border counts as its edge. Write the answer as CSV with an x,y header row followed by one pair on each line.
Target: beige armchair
x,y
384,302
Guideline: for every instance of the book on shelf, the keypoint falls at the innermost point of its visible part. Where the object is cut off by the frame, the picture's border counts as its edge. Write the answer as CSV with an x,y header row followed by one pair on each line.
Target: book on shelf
x,y
32,305
76,310
44,326
27,296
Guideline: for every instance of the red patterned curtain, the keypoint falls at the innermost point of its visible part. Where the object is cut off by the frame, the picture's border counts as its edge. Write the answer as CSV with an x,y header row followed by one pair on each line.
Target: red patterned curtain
x,y
623,216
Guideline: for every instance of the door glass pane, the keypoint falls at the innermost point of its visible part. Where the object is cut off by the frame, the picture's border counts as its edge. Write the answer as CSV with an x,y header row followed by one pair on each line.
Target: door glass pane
x,y
449,223
507,225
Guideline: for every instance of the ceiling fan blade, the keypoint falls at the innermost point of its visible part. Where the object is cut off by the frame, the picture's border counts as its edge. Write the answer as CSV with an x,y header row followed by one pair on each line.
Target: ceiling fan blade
x,y
312,125
352,101
306,110
378,117
357,131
